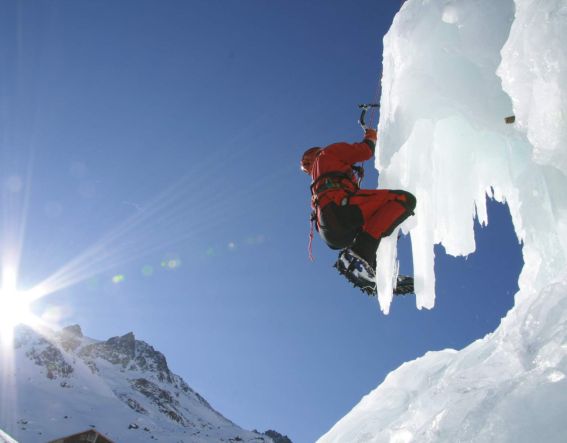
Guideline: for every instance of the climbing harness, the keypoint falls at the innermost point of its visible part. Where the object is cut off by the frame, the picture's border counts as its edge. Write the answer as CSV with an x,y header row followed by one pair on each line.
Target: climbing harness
x,y
335,180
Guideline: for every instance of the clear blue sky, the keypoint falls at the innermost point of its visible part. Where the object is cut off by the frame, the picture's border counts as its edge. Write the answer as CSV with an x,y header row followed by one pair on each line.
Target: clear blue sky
x,y
196,112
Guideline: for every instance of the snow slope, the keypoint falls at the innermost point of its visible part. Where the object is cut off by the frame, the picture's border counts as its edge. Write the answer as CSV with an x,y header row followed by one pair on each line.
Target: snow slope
x,y
453,70
5,438
58,384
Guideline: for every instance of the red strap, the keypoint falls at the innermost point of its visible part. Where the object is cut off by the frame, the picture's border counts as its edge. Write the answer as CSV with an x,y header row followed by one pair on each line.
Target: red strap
x,y
309,248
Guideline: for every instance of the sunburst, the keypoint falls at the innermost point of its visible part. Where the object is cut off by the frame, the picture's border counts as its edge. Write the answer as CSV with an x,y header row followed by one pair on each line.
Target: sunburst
x,y
15,306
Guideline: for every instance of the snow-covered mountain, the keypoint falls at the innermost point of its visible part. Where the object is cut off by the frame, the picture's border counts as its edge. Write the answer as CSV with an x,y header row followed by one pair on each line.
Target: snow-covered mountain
x,y
453,71
61,383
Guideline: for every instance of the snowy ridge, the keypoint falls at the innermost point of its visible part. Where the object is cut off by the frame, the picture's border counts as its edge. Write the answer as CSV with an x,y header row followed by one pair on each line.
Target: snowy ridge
x,y
453,70
5,438
64,383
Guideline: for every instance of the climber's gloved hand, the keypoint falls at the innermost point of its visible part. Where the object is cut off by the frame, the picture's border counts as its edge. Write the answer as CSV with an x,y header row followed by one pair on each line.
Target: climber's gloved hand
x,y
370,134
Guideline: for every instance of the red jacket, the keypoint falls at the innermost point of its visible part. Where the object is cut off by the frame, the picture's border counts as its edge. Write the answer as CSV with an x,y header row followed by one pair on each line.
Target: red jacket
x,y
338,157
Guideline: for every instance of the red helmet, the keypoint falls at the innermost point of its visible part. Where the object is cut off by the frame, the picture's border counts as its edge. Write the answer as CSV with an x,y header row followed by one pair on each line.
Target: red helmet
x,y
308,158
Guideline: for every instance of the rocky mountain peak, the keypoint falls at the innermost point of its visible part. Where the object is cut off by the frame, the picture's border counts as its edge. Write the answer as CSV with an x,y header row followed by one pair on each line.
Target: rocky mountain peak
x,y
125,345
70,337
73,331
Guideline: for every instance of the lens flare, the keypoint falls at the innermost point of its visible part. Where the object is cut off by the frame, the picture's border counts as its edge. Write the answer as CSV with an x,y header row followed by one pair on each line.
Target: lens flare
x,y
118,278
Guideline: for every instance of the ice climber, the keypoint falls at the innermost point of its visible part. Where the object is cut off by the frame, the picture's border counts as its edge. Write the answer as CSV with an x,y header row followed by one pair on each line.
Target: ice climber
x,y
351,219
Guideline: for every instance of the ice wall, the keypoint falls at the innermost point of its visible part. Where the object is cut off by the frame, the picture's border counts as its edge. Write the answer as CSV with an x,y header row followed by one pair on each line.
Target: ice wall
x,y
534,71
443,134
453,70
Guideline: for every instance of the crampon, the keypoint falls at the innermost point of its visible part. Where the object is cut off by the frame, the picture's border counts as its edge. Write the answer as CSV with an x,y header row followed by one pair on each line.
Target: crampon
x,y
362,276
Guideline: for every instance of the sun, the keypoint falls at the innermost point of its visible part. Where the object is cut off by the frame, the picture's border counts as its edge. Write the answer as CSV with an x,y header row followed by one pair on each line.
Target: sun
x,y
14,306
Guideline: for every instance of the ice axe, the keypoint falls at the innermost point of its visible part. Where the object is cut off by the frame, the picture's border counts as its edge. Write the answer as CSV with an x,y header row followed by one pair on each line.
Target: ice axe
x,y
365,108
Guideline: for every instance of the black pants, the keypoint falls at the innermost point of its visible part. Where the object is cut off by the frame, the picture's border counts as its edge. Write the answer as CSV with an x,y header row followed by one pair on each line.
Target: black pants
x,y
341,227
338,225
